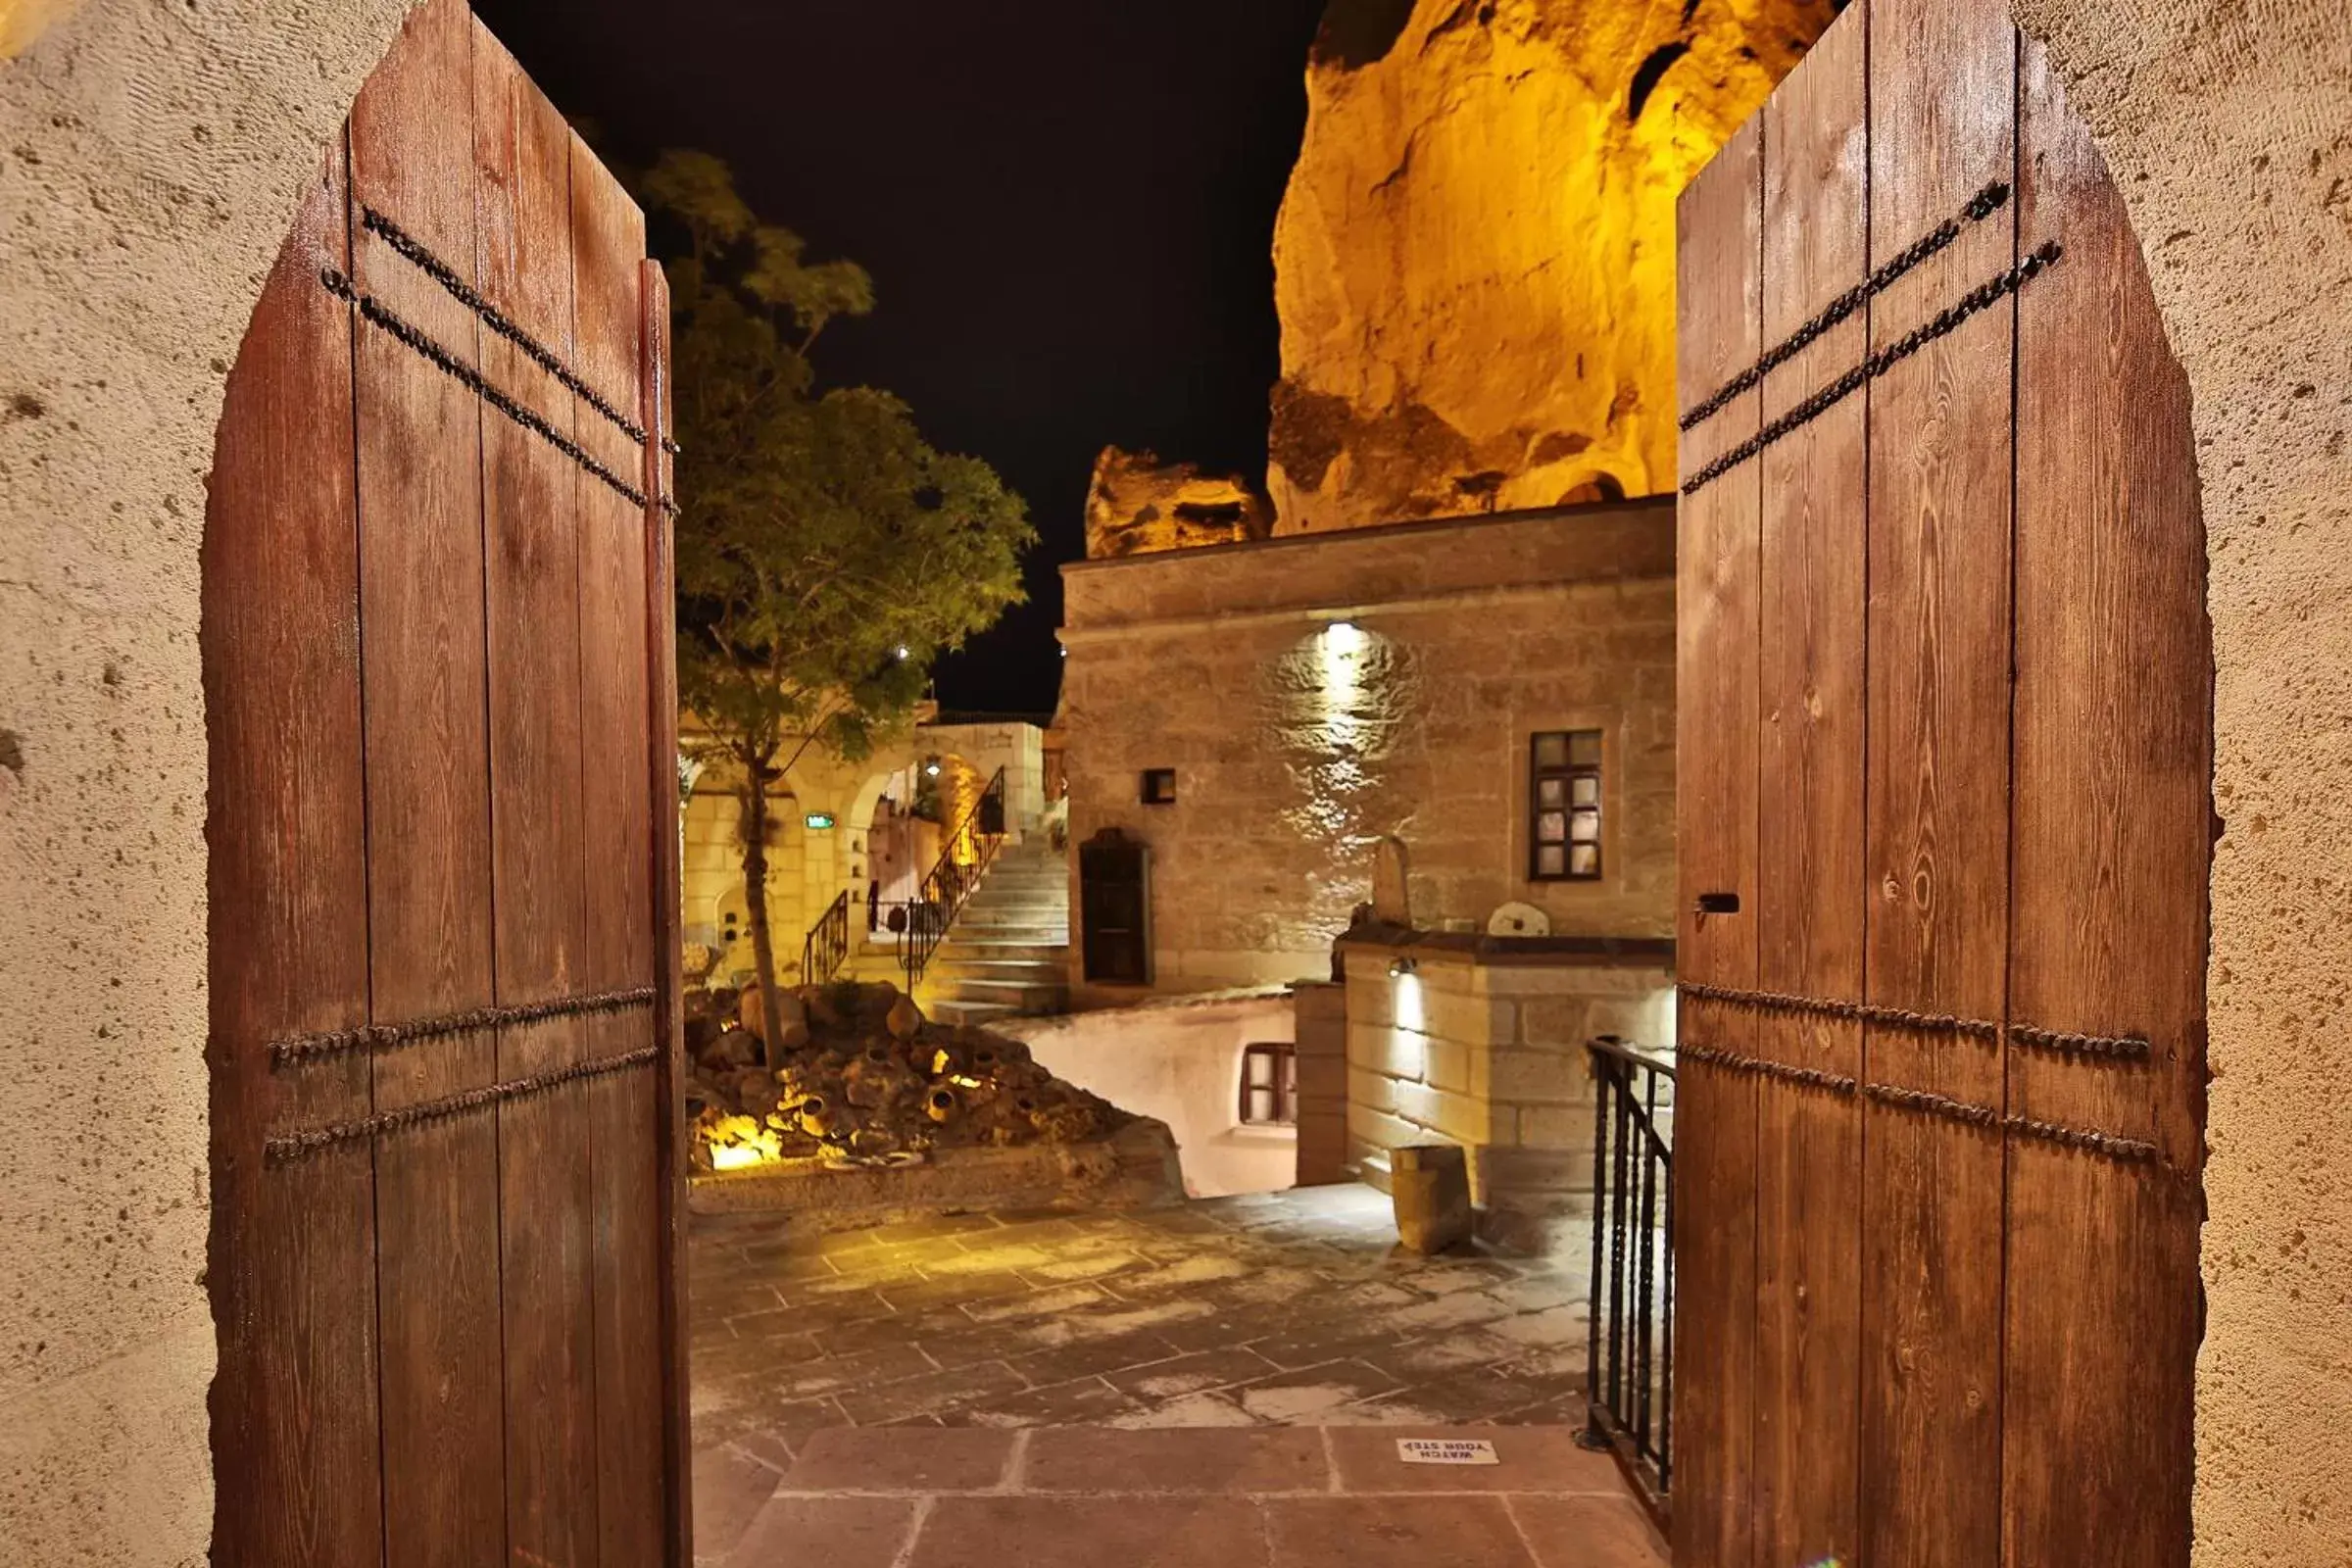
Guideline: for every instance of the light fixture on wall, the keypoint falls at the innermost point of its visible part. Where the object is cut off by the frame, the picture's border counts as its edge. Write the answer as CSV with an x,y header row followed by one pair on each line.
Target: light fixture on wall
x,y
1406,1007
903,653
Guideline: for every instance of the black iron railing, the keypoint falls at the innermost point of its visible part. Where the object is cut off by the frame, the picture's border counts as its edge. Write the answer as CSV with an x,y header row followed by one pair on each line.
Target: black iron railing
x,y
968,850
1630,1369
827,945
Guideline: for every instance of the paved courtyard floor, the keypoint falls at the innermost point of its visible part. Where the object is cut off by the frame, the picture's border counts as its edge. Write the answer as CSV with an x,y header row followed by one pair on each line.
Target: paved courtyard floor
x,y
1222,1382
1087,1498
1285,1308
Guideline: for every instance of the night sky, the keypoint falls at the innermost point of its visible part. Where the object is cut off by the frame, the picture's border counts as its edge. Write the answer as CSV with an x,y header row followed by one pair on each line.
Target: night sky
x,y
1067,206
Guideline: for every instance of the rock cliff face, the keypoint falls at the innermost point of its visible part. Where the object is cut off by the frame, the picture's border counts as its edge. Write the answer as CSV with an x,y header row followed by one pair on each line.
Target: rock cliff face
x,y
1475,259
1139,504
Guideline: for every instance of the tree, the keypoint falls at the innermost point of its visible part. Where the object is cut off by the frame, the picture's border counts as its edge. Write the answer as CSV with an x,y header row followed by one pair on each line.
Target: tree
x,y
826,554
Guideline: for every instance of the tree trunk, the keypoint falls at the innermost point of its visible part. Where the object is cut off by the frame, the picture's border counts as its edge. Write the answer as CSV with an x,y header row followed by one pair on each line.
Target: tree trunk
x,y
755,894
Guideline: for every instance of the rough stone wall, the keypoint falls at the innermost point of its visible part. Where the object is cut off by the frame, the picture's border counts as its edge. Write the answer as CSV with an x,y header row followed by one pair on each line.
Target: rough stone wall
x,y
1491,1056
2228,125
1314,695
1475,261
150,159
1137,503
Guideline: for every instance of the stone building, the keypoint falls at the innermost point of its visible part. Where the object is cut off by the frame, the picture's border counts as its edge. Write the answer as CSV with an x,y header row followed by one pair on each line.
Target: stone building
x,y
1491,690
153,156
1496,693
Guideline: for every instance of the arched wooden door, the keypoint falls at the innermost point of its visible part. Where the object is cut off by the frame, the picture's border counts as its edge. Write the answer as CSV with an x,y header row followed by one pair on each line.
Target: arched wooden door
x,y
443,861
1945,761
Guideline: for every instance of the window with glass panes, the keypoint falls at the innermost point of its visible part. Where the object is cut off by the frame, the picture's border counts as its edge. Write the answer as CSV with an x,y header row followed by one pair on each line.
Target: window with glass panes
x,y
1563,805
1269,1085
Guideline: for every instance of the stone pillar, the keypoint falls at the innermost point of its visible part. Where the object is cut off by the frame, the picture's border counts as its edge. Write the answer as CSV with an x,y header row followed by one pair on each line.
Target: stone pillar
x,y
1320,1020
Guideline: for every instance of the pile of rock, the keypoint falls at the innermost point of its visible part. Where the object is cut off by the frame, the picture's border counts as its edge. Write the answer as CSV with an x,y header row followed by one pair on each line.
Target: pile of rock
x,y
857,1074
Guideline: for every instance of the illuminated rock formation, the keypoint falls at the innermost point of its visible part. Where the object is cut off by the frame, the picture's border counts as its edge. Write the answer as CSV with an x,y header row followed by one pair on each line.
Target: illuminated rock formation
x,y
1475,260
1139,504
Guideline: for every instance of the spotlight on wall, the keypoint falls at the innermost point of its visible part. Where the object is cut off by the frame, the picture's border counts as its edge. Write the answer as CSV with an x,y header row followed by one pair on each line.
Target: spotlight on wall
x,y
1398,968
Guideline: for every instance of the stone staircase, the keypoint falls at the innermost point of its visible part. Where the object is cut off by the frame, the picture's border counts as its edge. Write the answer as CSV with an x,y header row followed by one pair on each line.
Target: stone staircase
x,y
1008,953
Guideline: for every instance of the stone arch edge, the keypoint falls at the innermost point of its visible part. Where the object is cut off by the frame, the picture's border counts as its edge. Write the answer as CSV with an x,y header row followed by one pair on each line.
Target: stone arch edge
x,y
2228,128
151,158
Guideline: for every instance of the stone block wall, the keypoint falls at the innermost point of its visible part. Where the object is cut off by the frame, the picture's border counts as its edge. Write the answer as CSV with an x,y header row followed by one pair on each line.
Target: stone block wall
x,y
1481,1042
1315,694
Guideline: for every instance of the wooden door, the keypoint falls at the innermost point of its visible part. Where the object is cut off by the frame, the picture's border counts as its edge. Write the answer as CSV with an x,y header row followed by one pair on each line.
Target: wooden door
x,y
1945,753
443,885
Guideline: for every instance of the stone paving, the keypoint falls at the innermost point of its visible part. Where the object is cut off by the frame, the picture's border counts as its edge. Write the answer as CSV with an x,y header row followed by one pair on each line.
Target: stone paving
x,y
1282,1308
1080,1497
1217,1385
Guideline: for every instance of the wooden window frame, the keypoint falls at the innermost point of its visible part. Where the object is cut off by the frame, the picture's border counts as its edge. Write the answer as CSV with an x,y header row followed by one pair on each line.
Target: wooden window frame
x,y
1283,1087
1568,774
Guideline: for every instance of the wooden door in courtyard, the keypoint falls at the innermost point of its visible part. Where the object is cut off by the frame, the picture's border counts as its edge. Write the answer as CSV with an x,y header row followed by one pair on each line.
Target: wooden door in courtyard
x,y
437,653
1945,753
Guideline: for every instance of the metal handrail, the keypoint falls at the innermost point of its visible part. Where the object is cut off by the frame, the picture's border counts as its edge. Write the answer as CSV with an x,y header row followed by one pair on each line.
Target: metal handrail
x,y
1630,1362
826,947
949,886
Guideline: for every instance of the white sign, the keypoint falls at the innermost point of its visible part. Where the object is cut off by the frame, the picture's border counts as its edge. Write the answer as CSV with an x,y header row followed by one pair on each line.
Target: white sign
x,y
1447,1450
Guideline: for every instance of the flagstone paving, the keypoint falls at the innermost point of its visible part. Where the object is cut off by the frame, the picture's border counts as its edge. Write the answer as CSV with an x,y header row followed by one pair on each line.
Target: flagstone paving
x,y
1218,1385
1278,1309
1076,1497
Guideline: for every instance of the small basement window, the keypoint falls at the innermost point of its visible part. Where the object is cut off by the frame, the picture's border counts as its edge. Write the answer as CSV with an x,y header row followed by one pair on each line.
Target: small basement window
x,y
1563,805
1269,1085
1160,786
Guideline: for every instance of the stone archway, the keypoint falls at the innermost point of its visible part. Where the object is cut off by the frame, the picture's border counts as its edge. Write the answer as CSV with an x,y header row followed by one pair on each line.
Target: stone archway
x,y
150,159
2228,130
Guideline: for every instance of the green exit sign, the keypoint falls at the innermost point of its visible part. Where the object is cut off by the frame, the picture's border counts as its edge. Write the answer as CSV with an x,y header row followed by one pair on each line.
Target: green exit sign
x,y
817,820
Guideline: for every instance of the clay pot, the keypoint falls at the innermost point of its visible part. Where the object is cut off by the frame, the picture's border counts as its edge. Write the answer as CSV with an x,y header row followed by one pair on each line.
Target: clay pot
x,y
822,1008
904,1020
942,1105
870,1085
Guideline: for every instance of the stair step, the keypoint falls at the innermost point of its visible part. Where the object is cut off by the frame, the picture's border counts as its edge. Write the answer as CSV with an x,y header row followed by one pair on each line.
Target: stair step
x,y
986,985
1053,953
